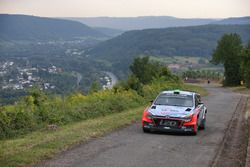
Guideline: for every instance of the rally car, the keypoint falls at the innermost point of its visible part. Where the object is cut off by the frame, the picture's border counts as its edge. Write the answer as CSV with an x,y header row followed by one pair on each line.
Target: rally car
x,y
175,111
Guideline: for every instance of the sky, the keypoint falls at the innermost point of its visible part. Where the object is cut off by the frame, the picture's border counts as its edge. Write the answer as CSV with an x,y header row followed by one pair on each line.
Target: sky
x,y
128,8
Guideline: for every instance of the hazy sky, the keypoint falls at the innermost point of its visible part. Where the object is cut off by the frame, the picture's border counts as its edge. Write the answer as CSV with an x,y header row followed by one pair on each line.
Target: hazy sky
x,y
118,8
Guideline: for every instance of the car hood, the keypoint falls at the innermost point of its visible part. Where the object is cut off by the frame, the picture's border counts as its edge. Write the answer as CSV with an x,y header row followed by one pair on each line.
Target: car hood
x,y
170,111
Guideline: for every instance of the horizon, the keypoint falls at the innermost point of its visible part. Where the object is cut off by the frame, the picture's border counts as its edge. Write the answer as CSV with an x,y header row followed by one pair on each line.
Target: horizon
x,y
128,8
215,18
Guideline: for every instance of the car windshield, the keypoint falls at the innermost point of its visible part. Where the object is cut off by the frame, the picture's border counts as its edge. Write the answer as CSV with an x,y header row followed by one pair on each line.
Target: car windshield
x,y
183,101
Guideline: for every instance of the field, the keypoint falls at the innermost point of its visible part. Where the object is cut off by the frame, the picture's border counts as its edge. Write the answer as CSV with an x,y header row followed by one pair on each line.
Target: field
x,y
188,62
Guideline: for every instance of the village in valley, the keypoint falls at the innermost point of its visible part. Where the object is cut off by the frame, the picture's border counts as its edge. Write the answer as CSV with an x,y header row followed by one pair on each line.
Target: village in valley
x,y
15,77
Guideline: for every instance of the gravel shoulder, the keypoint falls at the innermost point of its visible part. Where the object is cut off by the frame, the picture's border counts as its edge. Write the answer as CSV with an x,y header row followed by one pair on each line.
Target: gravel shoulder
x,y
130,147
233,150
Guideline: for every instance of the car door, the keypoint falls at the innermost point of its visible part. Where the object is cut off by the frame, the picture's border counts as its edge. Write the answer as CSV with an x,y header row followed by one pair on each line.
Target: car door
x,y
200,107
203,108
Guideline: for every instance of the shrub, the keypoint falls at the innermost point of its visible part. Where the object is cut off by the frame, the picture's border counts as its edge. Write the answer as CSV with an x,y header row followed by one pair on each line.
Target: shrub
x,y
4,125
152,90
37,110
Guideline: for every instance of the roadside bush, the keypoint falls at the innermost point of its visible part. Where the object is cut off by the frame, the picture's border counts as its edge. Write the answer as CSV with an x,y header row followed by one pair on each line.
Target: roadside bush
x,y
27,116
16,122
37,110
23,120
245,64
152,90
106,102
4,125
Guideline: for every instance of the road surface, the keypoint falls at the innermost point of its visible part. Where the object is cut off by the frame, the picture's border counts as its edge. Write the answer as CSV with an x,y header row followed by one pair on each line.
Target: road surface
x,y
130,147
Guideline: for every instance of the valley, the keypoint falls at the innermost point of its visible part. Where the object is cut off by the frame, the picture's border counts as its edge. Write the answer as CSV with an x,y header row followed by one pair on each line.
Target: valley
x,y
57,67
69,60
127,83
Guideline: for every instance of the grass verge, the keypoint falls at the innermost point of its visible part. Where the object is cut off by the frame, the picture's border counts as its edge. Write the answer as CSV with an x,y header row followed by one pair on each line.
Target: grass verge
x,y
245,91
44,144
41,145
241,89
195,88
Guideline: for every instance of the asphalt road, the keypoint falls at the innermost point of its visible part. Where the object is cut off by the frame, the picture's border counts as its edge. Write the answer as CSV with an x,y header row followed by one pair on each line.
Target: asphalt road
x,y
130,147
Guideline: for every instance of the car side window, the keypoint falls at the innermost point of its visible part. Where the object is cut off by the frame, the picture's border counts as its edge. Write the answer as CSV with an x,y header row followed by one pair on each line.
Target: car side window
x,y
197,100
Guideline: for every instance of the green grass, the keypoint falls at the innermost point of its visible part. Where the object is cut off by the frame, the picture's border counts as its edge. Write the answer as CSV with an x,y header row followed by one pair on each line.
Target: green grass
x,y
195,88
185,61
41,145
44,144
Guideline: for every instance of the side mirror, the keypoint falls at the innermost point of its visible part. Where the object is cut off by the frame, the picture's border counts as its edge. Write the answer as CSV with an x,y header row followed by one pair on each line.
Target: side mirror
x,y
151,101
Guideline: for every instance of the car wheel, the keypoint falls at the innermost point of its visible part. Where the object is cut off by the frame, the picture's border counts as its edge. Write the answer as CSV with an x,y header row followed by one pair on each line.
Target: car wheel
x,y
195,131
145,130
203,124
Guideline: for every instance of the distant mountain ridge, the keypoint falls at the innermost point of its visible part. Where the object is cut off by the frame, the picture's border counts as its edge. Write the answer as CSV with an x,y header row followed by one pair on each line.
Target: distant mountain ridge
x,y
109,31
24,27
149,22
234,21
181,41
138,23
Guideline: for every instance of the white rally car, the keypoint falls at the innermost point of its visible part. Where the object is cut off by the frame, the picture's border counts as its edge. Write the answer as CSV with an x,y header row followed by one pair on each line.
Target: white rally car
x,y
175,111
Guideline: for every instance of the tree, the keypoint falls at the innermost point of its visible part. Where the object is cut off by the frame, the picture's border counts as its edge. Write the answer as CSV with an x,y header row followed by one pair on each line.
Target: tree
x,y
144,70
37,96
245,65
134,83
227,53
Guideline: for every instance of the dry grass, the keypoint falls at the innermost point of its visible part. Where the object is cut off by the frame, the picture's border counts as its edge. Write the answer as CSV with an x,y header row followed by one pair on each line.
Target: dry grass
x,y
195,88
245,91
241,89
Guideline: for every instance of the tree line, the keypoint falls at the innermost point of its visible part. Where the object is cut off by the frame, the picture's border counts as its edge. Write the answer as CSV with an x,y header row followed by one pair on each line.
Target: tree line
x,y
235,56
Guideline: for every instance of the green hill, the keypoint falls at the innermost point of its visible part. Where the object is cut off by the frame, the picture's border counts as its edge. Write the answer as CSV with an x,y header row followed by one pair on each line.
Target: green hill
x,y
109,31
198,41
182,41
23,27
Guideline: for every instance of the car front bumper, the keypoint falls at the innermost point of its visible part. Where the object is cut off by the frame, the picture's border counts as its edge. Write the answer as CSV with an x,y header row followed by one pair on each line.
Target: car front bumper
x,y
184,128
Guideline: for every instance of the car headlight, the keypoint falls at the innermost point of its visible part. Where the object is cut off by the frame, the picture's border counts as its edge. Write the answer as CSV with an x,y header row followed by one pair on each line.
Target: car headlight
x,y
188,118
149,116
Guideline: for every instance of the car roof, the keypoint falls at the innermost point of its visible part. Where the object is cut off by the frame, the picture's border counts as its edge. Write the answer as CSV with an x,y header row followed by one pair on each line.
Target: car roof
x,y
178,92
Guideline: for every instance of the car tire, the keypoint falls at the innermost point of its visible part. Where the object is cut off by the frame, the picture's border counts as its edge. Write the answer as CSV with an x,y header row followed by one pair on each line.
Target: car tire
x,y
203,124
195,131
145,130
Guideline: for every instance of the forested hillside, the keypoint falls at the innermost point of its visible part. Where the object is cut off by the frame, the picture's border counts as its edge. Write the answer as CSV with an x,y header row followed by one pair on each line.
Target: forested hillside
x,y
109,31
23,27
182,41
